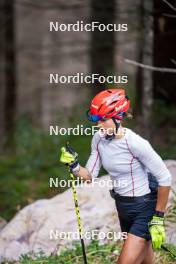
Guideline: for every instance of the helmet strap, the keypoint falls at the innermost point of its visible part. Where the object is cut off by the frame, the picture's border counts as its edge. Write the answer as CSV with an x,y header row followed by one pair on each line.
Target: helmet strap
x,y
117,125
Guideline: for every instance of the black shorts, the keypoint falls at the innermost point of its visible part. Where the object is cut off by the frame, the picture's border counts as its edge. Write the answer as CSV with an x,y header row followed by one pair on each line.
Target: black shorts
x,y
135,213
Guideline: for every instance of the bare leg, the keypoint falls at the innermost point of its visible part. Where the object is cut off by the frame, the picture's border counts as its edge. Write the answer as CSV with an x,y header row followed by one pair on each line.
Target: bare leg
x,y
134,251
149,258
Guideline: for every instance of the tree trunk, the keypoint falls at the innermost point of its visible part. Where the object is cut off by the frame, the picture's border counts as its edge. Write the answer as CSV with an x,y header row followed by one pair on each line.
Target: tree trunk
x,y
2,134
145,77
9,72
102,42
165,51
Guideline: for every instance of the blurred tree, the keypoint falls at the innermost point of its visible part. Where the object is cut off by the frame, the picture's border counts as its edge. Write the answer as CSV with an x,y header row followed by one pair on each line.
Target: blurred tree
x,y
102,42
164,49
1,74
144,97
9,72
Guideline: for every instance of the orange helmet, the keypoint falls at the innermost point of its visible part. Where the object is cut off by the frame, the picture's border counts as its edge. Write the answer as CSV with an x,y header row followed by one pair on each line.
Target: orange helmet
x,y
107,104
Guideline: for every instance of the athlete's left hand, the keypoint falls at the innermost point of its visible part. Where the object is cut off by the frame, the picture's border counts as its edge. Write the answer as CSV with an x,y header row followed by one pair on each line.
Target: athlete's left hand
x,y
157,231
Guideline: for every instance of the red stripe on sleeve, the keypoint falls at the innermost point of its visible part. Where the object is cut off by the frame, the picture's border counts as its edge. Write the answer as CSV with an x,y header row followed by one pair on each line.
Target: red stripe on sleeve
x,y
96,157
131,165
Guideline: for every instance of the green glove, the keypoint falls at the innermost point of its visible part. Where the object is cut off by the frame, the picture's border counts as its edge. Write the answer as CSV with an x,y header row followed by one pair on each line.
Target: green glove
x,y
157,231
69,157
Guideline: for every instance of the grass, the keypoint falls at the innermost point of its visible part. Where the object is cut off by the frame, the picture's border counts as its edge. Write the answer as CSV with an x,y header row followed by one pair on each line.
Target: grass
x,y
96,254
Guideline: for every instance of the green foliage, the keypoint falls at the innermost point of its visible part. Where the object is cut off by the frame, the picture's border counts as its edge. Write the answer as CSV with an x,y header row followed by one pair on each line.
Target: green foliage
x,y
164,256
171,215
165,129
166,151
25,174
164,113
96,254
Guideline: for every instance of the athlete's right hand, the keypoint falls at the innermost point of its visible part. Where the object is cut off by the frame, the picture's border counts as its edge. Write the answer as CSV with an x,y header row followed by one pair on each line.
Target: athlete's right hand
x,y
69,157
157,231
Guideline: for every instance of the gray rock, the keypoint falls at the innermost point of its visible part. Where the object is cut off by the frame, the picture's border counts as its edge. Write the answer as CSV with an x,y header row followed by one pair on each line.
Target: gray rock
x,y
3,222
31,228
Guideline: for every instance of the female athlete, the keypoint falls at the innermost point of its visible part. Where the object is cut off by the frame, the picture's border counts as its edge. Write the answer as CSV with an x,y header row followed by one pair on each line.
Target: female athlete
x,y
129,159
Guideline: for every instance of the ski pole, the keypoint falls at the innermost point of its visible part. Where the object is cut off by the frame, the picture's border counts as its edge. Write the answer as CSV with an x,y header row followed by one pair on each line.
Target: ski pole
x,y
75,197
168,248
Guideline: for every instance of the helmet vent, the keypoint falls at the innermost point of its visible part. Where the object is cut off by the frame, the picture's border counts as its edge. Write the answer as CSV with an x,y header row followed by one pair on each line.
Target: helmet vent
x,y
100,107
110,112
113,102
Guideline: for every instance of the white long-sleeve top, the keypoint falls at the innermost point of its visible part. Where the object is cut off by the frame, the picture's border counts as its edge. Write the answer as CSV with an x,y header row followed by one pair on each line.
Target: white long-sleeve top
x,y
128,161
